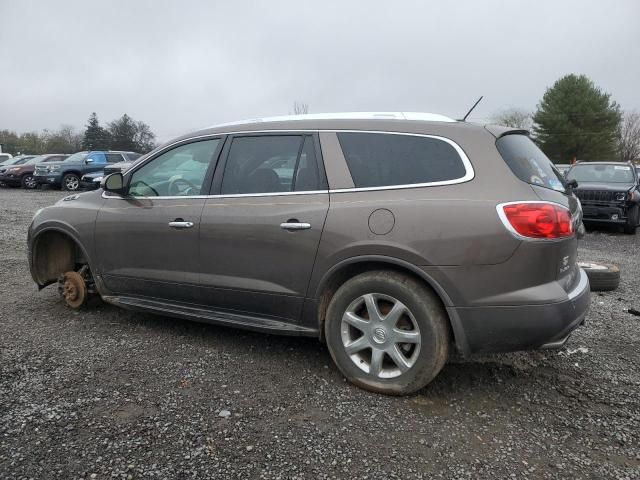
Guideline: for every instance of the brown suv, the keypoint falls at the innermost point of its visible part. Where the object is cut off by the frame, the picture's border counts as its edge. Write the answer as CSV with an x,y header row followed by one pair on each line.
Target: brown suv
x,y
393,237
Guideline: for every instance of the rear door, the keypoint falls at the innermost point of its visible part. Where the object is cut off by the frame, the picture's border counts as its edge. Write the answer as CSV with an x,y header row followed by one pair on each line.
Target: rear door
x,y
147,241
260,233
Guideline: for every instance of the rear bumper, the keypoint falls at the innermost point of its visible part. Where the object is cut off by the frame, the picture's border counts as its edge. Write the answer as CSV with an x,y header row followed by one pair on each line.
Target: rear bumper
x,y
493,329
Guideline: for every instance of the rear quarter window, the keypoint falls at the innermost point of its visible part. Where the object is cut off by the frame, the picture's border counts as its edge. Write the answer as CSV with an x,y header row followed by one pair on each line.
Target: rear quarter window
x,y
387,159
529,163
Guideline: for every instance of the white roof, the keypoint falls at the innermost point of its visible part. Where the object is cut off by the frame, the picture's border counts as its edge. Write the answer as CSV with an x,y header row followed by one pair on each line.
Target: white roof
x,y
426,117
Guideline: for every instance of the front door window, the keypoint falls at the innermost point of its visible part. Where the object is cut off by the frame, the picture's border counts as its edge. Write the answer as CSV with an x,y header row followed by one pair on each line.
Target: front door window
x,y
178,172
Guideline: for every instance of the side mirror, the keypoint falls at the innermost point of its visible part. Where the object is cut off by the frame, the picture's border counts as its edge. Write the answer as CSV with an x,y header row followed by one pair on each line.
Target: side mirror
x,y
114,183
572,184
89,160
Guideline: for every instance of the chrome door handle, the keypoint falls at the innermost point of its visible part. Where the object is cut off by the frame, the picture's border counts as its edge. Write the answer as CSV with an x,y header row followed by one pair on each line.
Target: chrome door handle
x,y
295,226
181,224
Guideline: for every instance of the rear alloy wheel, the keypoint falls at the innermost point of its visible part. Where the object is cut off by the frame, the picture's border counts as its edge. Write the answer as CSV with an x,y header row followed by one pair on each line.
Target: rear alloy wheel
x,y
29,182
71,182
387,332
602,277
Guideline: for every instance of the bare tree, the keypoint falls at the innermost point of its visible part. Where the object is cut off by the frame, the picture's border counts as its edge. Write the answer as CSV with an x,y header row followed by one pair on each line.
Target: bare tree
x,y
300,108
629,137
514,117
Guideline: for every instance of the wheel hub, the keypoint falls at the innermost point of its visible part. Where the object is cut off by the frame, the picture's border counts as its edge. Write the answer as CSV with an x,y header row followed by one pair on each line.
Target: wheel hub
x,y
73,289
379,335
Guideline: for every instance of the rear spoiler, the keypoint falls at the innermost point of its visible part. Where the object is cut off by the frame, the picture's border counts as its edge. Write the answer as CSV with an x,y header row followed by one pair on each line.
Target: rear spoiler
x,y
500,131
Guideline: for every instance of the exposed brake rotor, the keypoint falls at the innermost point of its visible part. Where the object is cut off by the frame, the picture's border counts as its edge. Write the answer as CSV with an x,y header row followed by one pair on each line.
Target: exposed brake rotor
x,y
72,287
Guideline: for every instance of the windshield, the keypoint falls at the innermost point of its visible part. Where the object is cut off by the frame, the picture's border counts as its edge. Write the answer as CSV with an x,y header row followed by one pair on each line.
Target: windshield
x,y
529,163
599,173
76,157
18,161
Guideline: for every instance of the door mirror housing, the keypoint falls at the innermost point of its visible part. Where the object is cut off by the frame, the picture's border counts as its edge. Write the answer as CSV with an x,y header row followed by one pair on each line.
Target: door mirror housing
x,y
89,160
572,184
114,183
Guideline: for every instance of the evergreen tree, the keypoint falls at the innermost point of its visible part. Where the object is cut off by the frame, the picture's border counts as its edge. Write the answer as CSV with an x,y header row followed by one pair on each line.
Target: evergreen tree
x,y
123,132
131,135
95,137
577,121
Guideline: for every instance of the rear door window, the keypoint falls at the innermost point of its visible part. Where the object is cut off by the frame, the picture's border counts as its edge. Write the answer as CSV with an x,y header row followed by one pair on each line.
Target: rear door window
x,y
385,159
529,163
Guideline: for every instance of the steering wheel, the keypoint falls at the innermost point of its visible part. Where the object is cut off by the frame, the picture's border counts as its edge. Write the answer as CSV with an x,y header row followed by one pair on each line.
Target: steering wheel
x,y
145,184
174,189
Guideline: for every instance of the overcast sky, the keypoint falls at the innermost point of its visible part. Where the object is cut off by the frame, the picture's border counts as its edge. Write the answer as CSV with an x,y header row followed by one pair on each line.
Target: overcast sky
x,y
183,65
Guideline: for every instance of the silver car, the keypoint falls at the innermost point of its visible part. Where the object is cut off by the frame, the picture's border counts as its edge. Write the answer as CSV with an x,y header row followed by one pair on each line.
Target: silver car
x,y
396,238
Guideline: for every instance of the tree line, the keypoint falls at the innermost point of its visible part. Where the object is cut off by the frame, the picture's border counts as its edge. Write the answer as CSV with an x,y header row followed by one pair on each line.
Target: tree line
x,y
124,133
577,120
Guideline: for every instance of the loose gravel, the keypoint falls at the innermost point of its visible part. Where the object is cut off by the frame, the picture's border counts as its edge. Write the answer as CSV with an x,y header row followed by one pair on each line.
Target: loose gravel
x,y
105,393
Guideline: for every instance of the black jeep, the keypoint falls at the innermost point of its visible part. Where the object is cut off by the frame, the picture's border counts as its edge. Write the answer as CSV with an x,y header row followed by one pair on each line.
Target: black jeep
x,y
609,193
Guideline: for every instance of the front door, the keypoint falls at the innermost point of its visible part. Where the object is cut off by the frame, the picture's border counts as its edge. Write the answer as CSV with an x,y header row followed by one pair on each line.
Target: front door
x,y
259,235
147,241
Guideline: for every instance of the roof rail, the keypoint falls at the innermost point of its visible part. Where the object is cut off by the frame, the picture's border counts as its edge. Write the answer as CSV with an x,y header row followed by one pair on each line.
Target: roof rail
x,y
417,116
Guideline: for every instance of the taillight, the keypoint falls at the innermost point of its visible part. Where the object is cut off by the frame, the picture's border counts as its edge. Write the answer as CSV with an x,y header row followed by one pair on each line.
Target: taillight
x,y
539,220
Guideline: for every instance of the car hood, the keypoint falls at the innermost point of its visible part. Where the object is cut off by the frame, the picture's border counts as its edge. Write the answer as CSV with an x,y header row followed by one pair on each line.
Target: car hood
x,y
612,187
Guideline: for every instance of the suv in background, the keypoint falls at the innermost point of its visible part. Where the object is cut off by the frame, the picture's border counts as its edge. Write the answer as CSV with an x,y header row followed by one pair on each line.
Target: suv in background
x,y
22,175
67,174
609,193
394,237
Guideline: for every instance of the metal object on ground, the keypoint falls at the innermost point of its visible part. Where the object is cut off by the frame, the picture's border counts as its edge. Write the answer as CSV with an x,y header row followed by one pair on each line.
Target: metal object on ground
x,y
72,287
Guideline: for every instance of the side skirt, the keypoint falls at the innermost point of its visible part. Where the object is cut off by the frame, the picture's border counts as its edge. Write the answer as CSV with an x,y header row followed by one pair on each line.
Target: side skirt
x,y
237,320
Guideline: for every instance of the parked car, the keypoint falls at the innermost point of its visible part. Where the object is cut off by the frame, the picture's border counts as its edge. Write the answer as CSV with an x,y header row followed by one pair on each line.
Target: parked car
x,y
563,168
67,174
22,175
91,181
5,156
393,237
609,193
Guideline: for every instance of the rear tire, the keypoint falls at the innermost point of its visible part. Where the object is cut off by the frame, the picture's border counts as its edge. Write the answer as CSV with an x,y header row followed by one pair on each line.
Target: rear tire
x,y
633,218
368,348
602,277
71,182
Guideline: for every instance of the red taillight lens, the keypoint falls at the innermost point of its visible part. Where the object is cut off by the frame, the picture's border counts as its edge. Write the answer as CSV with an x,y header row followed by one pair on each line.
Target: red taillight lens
x,y
537,220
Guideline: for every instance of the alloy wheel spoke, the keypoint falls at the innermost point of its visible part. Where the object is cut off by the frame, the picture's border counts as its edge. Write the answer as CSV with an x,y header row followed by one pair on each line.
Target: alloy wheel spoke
x,y
355,321
406,336
376,362
357,345
372,307
396,312
398,358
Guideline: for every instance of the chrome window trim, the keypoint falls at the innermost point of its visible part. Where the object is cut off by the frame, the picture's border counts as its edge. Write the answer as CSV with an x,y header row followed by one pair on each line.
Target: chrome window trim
x,y
512,231
236,195
468,176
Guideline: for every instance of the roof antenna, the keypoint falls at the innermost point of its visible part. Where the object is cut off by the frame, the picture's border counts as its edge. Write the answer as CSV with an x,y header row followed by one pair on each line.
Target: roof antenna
x,y
464,119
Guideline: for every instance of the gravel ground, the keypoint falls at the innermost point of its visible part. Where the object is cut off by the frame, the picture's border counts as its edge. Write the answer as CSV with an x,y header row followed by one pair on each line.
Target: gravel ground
x,y
107,393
